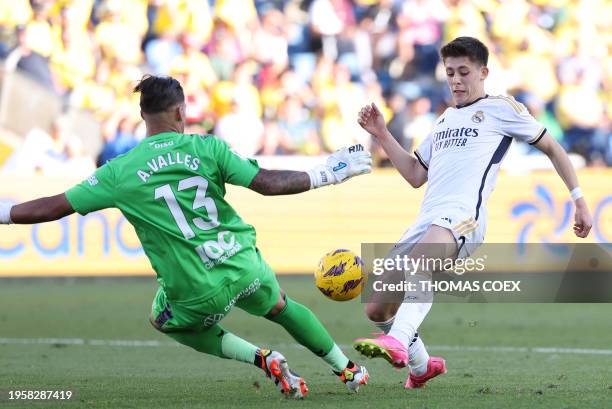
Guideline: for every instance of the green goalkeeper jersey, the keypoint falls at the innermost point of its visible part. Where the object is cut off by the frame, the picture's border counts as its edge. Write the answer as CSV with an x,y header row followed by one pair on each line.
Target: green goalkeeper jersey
x,y
171,188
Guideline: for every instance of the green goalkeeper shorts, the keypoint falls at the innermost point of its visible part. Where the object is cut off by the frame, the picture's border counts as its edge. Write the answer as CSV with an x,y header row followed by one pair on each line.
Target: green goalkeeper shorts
x,y
256,293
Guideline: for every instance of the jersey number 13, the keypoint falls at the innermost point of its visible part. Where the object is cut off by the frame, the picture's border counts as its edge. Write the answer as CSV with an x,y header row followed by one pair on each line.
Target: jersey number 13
x,y
165,192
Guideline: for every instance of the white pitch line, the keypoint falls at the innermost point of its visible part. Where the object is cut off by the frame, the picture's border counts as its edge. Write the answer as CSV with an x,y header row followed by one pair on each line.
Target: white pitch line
x,y
542,350
157,344
81,341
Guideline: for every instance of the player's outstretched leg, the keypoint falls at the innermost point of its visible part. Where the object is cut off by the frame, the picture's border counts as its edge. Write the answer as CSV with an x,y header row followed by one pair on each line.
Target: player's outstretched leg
x,y
306,328
421,366
216,341
392,345
400,344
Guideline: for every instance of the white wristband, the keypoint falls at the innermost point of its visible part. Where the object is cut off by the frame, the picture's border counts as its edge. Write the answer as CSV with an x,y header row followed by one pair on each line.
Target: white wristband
x,y
5,213
576,193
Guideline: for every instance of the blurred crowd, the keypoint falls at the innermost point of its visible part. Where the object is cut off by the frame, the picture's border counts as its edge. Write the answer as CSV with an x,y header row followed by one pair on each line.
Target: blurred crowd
x,y
279,77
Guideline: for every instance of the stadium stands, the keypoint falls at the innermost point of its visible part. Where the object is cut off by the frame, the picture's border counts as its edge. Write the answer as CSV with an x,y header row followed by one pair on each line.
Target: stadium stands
x,y
287,77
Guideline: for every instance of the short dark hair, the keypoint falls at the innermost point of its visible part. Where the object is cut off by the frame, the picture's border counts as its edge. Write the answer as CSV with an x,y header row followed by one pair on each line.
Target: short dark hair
x,y
469,47
158,94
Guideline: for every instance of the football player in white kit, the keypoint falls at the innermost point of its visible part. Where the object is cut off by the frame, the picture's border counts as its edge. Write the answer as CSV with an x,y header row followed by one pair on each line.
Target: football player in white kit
x,y
460,160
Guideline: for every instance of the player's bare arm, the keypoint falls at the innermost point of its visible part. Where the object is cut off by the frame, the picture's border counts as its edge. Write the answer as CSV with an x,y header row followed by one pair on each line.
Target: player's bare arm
x,y
551,148
371,119
341,165
280,182
44,209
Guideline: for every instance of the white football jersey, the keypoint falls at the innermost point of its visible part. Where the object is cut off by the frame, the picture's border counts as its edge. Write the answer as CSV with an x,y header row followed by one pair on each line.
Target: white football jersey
x,y
464,151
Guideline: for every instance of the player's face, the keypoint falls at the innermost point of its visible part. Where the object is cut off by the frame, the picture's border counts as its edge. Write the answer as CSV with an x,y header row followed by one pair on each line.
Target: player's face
x,y
465,79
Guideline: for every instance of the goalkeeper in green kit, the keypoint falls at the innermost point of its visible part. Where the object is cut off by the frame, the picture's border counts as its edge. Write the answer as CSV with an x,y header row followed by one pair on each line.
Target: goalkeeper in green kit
x,y
171,188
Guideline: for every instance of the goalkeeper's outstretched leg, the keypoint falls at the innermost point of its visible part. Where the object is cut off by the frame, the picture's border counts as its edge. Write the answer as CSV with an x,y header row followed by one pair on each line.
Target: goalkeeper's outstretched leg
x,y
218,342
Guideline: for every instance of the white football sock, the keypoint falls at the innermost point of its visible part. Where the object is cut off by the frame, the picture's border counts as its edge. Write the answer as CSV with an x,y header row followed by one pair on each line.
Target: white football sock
x,y
384,326
408,318
417,356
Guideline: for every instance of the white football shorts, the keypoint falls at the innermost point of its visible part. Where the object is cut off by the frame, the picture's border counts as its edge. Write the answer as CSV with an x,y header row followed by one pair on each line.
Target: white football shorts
x,y
468,232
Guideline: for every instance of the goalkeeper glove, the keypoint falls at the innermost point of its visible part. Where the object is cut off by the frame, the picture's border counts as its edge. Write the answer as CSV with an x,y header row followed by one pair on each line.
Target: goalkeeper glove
x,y
340,166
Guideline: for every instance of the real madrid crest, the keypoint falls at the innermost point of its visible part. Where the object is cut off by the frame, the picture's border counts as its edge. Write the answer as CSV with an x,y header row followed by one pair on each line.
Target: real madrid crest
x,y
478,117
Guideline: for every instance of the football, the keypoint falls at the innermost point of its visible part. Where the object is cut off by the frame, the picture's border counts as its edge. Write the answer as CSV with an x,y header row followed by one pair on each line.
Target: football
x,y
340,275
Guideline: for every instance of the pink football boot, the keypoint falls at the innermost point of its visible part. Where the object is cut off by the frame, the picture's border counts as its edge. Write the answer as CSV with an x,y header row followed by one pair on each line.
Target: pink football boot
x,y
435,367
384,346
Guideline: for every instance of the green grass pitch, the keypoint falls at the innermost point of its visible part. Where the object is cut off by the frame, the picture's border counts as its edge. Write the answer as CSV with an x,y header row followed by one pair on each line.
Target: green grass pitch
x,y
472,338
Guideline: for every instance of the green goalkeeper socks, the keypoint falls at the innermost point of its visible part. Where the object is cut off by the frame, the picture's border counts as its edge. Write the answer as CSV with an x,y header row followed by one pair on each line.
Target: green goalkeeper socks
x,y
306,328
218,342
336,359
237,348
